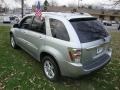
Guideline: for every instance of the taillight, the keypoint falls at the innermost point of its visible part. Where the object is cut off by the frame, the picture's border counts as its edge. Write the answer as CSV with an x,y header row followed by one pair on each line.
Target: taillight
x,y
75,55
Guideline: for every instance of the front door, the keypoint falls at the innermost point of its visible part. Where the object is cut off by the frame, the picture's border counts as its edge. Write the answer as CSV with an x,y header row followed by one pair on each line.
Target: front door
x,y
36,36
22,31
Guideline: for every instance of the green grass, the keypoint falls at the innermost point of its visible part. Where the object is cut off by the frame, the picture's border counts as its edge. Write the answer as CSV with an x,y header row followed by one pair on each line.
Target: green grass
x,y
19,71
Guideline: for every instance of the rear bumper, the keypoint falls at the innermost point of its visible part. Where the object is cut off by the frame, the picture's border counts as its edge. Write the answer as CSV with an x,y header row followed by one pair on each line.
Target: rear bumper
x,y
76,70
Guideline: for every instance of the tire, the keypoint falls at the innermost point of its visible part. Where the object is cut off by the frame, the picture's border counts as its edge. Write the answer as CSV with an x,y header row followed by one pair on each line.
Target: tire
x,y
50,68
12,42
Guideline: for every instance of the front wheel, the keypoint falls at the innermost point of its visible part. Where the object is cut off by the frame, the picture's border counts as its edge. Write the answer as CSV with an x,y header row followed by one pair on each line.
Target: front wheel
x,y
50,68
12,41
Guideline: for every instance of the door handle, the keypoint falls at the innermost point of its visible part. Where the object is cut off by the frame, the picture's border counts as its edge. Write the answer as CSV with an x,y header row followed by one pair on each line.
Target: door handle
x,y
41,37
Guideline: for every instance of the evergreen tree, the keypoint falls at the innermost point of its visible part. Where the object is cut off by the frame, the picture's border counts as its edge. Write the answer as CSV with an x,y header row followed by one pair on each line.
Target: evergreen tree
x,y
46,4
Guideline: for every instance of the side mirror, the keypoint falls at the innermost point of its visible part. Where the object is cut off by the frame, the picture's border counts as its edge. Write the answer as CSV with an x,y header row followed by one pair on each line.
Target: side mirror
x,y
16,26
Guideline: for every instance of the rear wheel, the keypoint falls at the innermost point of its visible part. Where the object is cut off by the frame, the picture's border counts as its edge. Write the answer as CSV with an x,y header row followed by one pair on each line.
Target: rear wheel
x,y
13,43
50,68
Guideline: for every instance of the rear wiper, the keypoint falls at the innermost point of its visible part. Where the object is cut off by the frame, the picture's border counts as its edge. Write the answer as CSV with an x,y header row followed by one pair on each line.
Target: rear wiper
x,y
98,35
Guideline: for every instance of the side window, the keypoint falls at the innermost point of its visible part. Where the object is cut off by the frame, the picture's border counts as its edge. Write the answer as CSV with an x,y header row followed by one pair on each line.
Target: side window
x,y
58,30
26,23
38,25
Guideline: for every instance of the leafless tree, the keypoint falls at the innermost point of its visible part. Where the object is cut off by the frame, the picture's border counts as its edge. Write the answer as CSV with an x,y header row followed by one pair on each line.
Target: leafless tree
x,y
53,3
116,2
72,5
2,1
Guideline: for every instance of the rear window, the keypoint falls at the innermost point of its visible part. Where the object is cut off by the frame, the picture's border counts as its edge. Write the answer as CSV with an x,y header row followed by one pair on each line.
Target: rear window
x,y
59,30
89,29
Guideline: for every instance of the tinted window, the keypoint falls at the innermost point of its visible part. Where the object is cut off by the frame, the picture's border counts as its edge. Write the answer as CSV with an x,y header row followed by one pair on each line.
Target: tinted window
x,y
26,22
38,25
58,30
89,29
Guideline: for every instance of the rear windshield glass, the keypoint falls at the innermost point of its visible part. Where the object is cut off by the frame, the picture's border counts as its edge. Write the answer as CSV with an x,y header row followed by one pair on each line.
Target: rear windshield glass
x,y
89,29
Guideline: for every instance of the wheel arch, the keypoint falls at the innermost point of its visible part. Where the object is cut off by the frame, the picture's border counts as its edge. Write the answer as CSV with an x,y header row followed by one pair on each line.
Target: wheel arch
x,y
42,54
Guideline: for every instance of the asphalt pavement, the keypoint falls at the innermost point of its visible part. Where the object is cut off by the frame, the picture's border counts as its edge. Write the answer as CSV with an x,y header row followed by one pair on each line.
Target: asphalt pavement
x,y
5,24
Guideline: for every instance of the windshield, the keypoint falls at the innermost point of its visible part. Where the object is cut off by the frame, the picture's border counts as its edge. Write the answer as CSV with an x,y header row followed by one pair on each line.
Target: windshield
x,y
89,29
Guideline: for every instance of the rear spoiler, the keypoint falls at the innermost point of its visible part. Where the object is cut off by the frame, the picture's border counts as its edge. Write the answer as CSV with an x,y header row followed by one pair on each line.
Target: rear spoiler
x,y
83,19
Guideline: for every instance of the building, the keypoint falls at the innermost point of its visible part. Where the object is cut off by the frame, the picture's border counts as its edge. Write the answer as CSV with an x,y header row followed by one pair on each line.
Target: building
x,y
2,10
110,15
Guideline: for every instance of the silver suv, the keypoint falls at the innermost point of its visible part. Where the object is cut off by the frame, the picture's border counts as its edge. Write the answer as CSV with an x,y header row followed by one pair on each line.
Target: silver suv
x,y
67,44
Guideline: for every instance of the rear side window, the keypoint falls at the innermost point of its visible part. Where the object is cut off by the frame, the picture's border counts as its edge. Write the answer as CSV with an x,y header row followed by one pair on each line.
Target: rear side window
x,y
58,30
89,29
38,25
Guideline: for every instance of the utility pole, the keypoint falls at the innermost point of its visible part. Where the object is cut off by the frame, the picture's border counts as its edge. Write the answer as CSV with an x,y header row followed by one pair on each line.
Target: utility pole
x,y
22,8
78,4
52,3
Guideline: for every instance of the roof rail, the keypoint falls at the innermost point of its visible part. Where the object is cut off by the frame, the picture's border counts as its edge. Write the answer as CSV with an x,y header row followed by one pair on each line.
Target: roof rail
x,y
53,13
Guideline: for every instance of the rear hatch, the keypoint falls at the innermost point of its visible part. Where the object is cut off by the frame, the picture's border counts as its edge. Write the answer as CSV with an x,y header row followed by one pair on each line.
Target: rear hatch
x,y
93,38
95,51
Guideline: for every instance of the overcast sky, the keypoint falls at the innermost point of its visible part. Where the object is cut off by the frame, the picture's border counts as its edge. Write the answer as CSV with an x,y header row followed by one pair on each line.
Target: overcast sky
x,y
12,3
66,2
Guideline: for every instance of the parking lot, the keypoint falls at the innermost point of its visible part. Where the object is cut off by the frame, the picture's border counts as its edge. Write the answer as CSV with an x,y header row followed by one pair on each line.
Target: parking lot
x,y
2,24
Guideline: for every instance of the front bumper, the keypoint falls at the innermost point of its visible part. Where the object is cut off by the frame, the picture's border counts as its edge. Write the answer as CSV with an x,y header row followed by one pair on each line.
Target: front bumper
x,y
76,70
